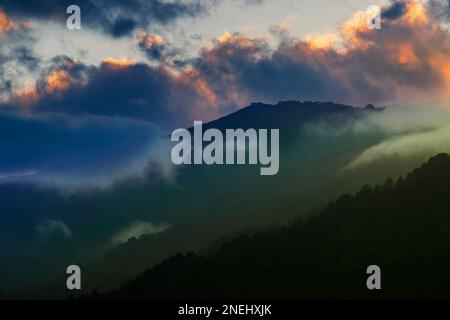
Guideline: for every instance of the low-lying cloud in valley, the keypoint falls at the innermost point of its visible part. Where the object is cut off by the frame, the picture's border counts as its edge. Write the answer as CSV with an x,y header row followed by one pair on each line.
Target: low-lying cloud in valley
x,y
87,151
137,229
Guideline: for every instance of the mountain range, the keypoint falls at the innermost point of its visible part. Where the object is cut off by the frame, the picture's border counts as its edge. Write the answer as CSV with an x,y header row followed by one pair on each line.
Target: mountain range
x,y
200,205
402,226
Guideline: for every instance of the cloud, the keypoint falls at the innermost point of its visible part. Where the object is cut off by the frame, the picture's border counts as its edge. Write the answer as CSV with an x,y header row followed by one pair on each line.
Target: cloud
x,y
239,69
86,151
253,2
394,11
48,228
117,18
403,134
118,88
407,60
17,59
440,9
152,44
7,24
424,145
137,229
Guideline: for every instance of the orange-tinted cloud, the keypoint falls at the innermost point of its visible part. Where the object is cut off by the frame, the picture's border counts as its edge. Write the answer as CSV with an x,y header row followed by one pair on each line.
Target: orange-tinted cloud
x,y
154,46
357,33
405,59
209,98
226,37
26,97
411,49
236,40
58,80
5,22
406,56
121,88
322,41
118,63
354,29
416,12
52,82
441,62
150,40
408,59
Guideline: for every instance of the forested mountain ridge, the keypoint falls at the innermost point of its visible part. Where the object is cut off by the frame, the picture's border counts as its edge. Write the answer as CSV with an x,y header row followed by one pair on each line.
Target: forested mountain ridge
x,y
402,226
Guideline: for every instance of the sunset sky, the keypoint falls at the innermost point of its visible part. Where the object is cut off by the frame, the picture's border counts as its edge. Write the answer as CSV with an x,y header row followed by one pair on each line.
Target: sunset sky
x,y
142,69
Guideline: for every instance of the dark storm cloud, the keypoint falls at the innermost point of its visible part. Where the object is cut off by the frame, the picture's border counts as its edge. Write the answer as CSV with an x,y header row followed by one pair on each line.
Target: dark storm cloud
x,y
123,26
134,91
394,11
115,17
116,88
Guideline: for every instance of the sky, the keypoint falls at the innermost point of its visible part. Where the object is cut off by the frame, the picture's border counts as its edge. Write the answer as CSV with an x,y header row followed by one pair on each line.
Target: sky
x,y
91,105
251,18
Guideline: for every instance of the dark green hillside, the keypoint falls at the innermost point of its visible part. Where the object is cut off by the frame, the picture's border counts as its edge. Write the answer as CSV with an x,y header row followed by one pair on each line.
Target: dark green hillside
x,y
403,226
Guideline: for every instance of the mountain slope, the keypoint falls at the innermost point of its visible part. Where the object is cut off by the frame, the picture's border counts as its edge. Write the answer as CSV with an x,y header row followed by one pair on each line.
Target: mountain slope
x,y
404,227
201,203
207,191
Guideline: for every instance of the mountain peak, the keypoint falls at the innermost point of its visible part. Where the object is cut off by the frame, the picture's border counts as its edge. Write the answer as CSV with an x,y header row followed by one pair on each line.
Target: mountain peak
x,y
441,158
435,170
371,107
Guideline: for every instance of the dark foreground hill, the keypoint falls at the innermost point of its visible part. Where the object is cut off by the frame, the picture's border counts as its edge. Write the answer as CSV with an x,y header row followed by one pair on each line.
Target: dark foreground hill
x,y
402,226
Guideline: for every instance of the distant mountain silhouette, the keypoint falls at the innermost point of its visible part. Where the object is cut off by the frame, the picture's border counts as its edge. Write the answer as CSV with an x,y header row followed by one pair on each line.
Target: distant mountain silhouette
x,y
288,116
282,115
401,226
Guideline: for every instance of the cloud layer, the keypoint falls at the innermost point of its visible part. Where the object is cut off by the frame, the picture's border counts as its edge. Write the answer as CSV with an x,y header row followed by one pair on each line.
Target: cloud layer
x,y
74,152
137,229
117,18
408,59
